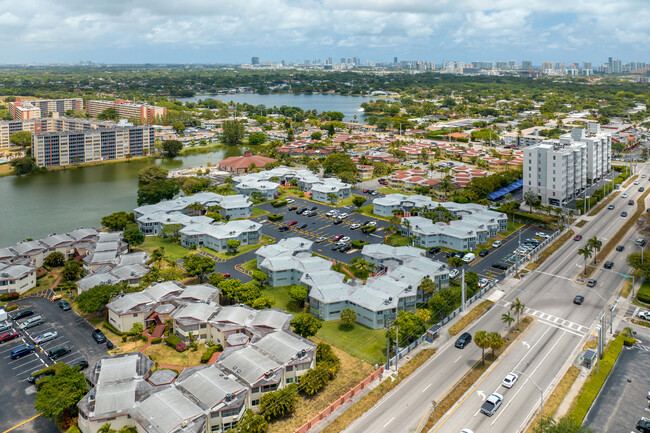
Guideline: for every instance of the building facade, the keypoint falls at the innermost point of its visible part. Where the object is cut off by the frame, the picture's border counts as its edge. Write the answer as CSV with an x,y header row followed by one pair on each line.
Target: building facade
x,y
127,110
23,110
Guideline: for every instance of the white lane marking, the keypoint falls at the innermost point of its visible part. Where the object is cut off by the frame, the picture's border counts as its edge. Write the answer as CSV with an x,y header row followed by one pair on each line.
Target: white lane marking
x,y
389,422
427,387
526,344
527,377
458,359
481,394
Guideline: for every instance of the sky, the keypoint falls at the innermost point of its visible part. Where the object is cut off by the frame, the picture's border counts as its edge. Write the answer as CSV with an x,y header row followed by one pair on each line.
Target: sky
x,y
232,31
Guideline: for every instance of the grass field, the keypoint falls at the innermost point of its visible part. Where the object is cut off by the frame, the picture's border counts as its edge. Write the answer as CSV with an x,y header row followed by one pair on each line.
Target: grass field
x,y
250,265
386,190
226,255
257,211
358,340
163,354
282,299
397,240
173,251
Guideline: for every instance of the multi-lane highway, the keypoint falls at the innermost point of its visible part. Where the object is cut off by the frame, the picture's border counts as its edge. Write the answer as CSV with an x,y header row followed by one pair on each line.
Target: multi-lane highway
x,y
546,349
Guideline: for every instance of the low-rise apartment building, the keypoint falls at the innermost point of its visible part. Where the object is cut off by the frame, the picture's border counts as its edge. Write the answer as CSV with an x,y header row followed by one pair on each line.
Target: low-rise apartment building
x,y
16,278
217,235
127,110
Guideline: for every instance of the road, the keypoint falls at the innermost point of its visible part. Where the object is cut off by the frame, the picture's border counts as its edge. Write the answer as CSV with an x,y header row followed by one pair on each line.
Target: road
x,y
559,329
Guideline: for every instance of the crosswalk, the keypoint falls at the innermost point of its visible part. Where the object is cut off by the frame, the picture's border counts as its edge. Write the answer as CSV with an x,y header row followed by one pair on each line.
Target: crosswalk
x,y
552,320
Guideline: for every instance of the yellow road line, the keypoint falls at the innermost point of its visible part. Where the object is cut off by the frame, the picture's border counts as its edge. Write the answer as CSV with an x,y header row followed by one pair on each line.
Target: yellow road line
x,y
485,375
22,423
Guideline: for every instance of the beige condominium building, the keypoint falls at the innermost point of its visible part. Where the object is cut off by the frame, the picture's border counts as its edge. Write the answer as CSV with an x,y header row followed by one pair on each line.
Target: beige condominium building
x,y
23,110
127,110
47,124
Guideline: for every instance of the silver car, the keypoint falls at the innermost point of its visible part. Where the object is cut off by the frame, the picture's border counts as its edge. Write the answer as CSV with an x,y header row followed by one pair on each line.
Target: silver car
x,y
48,336
32,321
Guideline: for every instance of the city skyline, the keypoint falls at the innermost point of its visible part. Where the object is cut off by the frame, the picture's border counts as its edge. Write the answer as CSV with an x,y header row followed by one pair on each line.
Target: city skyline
x,y
199,31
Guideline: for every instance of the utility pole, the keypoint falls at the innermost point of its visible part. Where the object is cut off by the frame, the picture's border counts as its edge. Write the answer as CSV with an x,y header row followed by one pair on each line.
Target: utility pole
x,y
396,349
388,322
462,290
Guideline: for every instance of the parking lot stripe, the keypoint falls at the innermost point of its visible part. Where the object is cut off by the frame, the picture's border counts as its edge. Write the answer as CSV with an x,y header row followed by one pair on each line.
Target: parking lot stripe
x,y
22,423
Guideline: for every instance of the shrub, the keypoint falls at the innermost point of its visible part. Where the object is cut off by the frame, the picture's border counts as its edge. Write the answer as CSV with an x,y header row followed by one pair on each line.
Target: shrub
x,y
358,244
181,347
10,296
643,294
259,275
368,229
156,340
629,341
209,352
172,340
279,203
113,329
275,217
12,307
123,338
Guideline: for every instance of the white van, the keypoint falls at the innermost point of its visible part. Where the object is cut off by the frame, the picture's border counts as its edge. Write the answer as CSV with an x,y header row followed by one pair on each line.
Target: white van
x,y
469,257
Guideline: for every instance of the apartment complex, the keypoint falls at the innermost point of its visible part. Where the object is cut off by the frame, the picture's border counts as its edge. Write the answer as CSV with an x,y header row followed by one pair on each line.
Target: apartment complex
x,y
23,110
91,145
51,124
558,171
127,110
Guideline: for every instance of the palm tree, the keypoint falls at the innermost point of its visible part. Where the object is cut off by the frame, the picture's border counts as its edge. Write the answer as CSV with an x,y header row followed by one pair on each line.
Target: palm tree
x,y
628,331
332,197
495,342
518,308
586,253
482,340
595,244
362,265
507,319
428,286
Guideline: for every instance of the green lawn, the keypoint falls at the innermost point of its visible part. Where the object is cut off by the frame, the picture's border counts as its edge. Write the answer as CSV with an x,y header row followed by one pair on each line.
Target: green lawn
x,y
282,299
257,211
512,227
242,250
173,251
398,240
386,190
365,343
367,210
250,265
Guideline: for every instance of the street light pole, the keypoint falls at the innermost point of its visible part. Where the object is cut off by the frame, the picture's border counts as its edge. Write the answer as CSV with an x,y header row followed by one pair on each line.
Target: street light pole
x,y
541,398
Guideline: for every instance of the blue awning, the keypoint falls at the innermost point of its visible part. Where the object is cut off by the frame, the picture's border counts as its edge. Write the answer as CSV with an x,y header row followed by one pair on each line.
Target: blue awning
x,y
506,190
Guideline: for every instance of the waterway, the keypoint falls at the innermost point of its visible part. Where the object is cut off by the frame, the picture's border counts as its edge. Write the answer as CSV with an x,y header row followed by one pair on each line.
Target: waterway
x,y
60,201
350,106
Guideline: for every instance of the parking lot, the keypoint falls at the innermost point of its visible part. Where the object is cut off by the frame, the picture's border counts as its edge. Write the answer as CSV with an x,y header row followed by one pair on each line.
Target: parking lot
x,y
623,400
17,398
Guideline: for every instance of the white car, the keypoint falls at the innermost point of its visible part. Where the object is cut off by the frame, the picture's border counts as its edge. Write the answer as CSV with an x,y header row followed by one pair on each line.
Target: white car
x,y
320,239
643,175
496,244
636,182
48,336
343,215
510,380
344,239
624,195
541,234
290,200
483,282
372,223
331,213
354,226
454,273
645,315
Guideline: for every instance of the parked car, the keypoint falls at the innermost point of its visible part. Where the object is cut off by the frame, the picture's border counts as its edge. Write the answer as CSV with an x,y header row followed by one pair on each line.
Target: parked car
x,y
313,208
302,226
454,273
509,380
592,283
283,228
337,237
7,336
469,257
33,379
366,191
640,242
345,248
483,282
463,340
577,237
48,336
644,314
64,305
643,425
492,404
292,223
459,254
31,322
374,193
312,213
344,239
22,314
98,336
434,250
496,244
608,264
354,226
292,208
306,213
578,300
484,253
4,326
60,351
320,239
301,210
290,200
542,235
226,275
21,351
343,215
337,221
500,266
331,213
82,364
335,247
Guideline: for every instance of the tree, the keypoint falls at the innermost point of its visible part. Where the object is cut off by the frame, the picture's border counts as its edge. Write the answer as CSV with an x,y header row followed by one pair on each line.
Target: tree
x,y
262,303
171,230
232,132
363,266
531,199
518,307
332,197
338,163
233,244
118,220
316,135
108,114
276,404
496,342
298,294
595,244
407,327
234,290
178,126
348,317
586,253
507,319
256,138
252,423
54,260
61,392
313,380
21,138
358,200
198,266
71,270
95,299
471,279
482,340
157,255
151,174
136,329
132,235
428,286
306,325
24,165
154,186
455,262
171,148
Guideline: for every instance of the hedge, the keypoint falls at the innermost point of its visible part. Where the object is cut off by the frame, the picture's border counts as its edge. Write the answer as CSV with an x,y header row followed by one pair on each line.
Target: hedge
x,y
11,307
9,296
595,382
275,217
279,203
113,329
368,229
156,340
358,244
259,275
172,341
643,294
533,219
209,352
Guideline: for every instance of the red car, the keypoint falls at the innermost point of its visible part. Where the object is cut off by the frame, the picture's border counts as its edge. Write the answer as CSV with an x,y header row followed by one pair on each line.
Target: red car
x,y
226,275
577,237
292,223
337,237
8,336
366,191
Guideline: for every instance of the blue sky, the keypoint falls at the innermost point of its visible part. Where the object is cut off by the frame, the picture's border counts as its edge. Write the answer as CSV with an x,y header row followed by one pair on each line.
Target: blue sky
x,y
232,31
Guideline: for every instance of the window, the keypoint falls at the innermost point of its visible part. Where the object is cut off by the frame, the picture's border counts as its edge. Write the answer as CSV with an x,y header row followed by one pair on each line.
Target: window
x,y
135,315
255,402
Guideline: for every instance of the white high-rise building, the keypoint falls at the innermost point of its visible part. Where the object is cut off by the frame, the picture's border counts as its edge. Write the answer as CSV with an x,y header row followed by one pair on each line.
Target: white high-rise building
x,y
559,170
